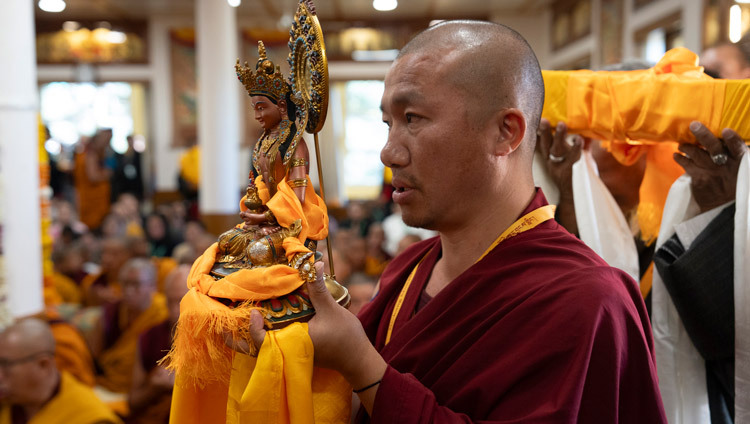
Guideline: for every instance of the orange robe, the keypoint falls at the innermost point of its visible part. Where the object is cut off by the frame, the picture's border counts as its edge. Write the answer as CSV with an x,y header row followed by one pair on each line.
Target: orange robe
x,y
93,198
117,361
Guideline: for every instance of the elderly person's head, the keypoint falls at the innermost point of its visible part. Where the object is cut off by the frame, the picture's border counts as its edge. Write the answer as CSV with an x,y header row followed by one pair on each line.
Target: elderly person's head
x,y
138,281
28,373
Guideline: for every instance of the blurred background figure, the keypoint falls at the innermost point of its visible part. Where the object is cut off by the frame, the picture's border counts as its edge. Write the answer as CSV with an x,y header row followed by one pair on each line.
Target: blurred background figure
x,y
150,394
728,60
92,179
127,175
33,390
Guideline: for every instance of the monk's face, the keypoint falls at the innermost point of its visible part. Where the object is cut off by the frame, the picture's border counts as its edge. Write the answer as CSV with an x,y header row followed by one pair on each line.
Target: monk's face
x,y
114,256
137,289
21,371
624,182
726,61
434,148
267,114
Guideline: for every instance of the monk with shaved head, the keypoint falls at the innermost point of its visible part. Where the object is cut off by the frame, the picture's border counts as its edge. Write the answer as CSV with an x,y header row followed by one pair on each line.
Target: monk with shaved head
x,y
33,390
504,317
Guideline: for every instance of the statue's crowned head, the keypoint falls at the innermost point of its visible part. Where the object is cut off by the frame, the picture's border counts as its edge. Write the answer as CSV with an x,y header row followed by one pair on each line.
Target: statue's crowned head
x,y
266,80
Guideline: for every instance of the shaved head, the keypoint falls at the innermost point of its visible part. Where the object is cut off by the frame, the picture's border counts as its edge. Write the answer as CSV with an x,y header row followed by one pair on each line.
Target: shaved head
x,y
492,64
30,335
29,372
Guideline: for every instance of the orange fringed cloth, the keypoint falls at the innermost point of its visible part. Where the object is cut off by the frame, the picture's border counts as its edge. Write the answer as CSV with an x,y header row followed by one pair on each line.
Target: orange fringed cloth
x,y
648,112
279,383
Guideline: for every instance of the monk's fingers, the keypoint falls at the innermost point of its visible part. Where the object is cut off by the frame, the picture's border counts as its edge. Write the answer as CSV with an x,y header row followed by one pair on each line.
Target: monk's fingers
x,y
544,137
734,143
575,151
686,163
236,344
698,156
559,146
257,332
706,139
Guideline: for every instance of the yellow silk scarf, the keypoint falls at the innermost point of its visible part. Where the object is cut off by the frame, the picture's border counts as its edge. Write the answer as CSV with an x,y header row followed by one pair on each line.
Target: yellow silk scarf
x,y
649,105
647,112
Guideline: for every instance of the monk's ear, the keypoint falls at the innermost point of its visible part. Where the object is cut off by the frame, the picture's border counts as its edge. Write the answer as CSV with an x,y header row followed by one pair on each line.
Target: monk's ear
x,y
512,127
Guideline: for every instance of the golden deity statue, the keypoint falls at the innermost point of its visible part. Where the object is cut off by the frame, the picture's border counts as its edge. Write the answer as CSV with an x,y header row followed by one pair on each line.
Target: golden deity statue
x,y
264,263
281,162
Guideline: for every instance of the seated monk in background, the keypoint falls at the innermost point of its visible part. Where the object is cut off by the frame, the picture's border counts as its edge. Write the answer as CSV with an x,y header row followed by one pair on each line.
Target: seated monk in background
x,y
151,392
101,288
116,337
33,390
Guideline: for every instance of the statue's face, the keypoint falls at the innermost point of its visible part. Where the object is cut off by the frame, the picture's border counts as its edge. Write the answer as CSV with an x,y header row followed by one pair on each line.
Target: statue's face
x,y
266,113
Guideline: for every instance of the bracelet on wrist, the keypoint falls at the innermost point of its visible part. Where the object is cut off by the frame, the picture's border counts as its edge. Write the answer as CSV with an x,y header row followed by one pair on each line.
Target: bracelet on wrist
x,y
370,386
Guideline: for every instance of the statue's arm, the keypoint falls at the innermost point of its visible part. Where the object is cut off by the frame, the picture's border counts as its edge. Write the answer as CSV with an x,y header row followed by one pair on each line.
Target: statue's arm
x,y
298,170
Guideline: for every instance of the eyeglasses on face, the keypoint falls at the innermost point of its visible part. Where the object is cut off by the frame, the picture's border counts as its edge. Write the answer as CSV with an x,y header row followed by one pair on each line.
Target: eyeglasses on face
x,y
6,363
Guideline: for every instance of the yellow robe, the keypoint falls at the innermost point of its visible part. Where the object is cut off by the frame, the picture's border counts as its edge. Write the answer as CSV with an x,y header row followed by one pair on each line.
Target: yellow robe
x,y
74,403
117,361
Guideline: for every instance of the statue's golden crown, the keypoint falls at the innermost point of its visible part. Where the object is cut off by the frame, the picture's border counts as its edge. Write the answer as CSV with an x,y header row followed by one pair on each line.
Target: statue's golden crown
x,y
266,80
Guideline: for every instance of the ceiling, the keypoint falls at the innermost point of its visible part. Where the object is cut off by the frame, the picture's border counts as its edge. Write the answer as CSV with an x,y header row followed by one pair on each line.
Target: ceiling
x,y
261,11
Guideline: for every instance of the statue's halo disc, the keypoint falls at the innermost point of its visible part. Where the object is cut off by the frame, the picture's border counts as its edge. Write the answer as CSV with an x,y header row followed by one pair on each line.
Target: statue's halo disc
x,y
309,65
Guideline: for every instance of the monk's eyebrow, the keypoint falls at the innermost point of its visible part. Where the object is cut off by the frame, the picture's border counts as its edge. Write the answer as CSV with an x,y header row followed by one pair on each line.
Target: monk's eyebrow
x,y
405,98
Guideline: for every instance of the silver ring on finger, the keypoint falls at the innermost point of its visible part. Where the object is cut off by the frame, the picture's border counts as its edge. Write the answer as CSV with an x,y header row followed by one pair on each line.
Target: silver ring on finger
x,y
556,159
719,159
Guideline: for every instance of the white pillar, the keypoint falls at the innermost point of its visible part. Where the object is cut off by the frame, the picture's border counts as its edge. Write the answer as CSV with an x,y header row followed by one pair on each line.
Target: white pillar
x,y
19,159
218,107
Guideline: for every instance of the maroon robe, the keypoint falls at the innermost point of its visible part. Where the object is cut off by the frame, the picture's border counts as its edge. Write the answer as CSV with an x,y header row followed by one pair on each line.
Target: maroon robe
x,y
541,330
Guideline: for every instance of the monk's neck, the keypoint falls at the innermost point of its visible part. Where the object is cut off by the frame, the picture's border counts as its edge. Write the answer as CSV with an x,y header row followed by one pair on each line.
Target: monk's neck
x,y
463,246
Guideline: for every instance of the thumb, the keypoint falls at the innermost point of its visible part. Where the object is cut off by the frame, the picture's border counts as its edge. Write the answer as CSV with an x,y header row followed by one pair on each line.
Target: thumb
x,y
319,295
257,332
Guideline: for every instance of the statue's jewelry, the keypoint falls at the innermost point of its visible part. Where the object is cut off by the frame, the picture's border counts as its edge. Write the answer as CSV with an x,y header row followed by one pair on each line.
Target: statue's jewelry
x,y
267,80
299,182
556,159
299,162
270,217
719,159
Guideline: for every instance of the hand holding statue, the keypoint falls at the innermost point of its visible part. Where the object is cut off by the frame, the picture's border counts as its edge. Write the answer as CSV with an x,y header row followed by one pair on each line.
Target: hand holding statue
x,y
339,340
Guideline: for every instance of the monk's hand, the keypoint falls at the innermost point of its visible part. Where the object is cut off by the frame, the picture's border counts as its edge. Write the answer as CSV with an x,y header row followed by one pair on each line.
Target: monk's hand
x,y
339,340
559,156
712,165
243,346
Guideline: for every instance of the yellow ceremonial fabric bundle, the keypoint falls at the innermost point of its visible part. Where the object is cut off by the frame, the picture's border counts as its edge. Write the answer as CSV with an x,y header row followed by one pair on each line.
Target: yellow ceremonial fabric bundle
x,y
213,383
648,112
654,105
